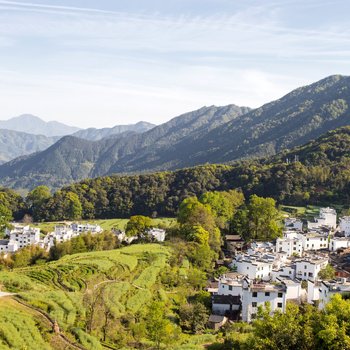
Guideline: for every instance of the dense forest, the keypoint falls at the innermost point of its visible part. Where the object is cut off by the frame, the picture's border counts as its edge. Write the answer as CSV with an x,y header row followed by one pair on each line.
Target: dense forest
x,y
317,173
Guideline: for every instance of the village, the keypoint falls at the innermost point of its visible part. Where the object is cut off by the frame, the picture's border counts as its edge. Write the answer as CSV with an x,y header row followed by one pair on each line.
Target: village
x,y
288,270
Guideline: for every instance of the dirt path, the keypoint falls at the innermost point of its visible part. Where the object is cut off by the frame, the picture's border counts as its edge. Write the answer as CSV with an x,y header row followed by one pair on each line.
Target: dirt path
x,y
51,322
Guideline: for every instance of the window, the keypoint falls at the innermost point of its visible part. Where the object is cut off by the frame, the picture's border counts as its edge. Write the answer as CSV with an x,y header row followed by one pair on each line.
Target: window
x,y
305,267
255,294
279,305
253,316
280,295
229,287
254,304
311,274
267,294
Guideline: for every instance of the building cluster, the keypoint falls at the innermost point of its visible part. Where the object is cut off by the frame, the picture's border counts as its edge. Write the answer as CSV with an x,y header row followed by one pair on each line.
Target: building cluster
x,y
275,272
22,236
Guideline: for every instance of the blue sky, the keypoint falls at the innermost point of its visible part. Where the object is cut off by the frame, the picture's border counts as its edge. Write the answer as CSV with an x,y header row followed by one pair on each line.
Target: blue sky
x,y
107,62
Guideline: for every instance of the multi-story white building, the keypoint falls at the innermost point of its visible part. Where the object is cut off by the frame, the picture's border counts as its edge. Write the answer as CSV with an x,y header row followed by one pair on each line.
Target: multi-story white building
x,y
327,217
308,269
256,295
314,241
291,246
336,243
344,225
24,235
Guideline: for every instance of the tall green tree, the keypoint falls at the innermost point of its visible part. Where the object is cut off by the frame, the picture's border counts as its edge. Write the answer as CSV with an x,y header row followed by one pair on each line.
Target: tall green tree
x,y
37,200
158,327
223,204
138,225
5,217
260,219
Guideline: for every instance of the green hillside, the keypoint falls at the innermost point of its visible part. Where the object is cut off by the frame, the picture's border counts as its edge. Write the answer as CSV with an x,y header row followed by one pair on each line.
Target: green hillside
x,y
208,135
129,278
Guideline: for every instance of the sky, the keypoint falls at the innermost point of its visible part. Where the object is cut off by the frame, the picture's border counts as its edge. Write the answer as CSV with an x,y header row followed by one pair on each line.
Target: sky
x,y
107,62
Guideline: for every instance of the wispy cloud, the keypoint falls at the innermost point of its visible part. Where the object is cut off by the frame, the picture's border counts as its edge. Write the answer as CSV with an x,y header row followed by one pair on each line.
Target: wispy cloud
x,y
88,60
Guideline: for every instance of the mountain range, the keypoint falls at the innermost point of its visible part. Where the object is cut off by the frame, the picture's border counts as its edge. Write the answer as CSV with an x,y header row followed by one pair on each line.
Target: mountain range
x,y
210,134
15,143
94,134
31,124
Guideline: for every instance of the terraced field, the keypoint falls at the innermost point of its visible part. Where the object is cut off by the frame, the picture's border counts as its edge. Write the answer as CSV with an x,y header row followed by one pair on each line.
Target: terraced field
x,y
57,290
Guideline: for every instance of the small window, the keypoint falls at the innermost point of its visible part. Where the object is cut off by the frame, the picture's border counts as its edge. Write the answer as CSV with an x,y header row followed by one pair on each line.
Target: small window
x,y
255,294
280,295
254,304
253,316
279,305
267,294
229,287
305,267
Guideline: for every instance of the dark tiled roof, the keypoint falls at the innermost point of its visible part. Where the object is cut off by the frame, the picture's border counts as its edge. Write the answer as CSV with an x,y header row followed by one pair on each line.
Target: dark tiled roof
x,y
226,299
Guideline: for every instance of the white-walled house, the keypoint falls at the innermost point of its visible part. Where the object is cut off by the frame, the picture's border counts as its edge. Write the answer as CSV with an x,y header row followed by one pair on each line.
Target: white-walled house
x,y
8,246
252,267
344,225
327,217
156,234
308,269
293,223
336,243
24,235
287,271
81,228
329,288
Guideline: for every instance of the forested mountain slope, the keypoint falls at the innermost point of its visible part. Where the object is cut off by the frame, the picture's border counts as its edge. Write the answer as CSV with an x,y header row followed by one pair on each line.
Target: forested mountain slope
x,y
14,144
72,159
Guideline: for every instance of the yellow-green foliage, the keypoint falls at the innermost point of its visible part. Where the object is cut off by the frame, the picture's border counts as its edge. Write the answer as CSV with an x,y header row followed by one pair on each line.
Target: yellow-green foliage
x,y
18,330
138,300
87,340
116,296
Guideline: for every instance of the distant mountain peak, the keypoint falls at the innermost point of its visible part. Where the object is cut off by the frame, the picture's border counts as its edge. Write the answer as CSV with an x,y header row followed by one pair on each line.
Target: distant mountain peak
x,y
32,124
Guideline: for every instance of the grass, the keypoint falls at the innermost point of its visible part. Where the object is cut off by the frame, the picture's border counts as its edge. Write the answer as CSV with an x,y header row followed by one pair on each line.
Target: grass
x,y
19,328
